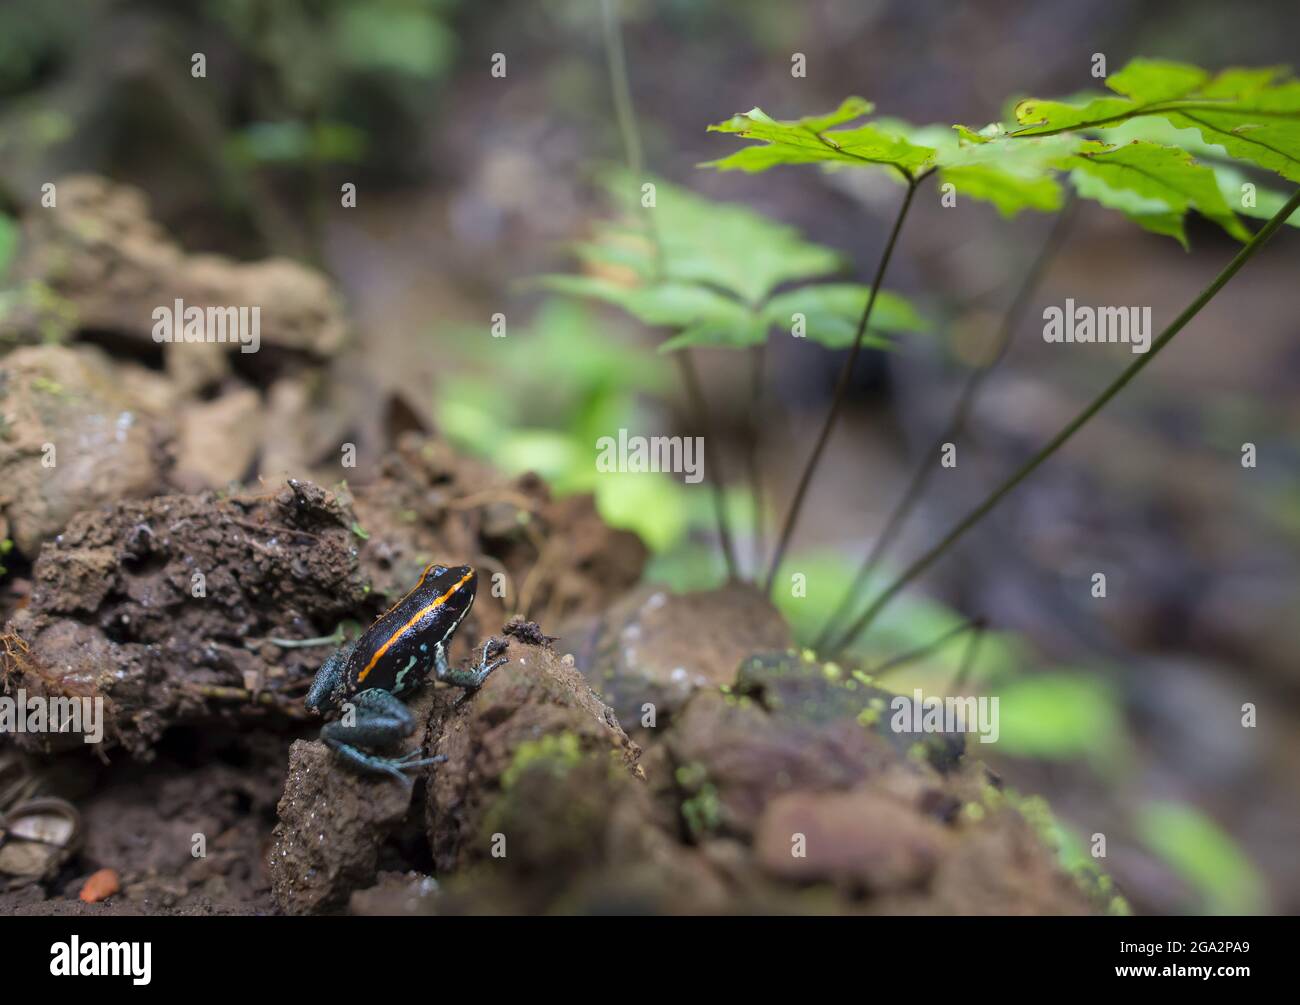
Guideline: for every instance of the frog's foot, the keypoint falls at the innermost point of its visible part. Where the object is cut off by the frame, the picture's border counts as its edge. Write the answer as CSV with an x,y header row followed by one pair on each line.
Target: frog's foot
x,y
474,677
394,766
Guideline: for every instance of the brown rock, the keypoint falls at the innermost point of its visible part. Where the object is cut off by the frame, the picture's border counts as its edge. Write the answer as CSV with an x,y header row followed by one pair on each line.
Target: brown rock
x,y
73,435
218,440
860,839
533,742
105,255
332,823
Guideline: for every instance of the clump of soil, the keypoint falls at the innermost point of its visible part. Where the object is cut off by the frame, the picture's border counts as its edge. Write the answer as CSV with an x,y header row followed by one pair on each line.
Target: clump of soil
x,y
165,608
541,557
333,821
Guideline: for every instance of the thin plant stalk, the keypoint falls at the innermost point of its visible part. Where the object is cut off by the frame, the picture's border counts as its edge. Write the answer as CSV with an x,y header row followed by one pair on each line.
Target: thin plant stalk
x,y
921,564
757,356
841,390
695,398
911,656
626,114
957,422
967,661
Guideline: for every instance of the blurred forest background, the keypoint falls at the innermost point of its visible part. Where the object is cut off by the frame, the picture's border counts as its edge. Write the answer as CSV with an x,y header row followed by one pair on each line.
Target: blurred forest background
x,y
1125,712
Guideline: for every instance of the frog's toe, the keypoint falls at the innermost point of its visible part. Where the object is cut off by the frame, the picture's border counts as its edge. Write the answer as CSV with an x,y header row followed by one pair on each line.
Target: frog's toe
x,y
407,758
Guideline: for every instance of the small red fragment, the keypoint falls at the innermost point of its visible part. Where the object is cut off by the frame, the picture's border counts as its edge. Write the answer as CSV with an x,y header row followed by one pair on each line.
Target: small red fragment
x,y
100,886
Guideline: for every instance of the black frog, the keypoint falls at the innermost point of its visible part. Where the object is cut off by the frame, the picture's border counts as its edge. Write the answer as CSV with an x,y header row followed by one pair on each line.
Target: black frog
x,y
394,657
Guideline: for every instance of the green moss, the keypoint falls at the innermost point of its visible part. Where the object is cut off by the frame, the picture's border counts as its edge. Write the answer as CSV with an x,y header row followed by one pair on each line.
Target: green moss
x,y
1069,850
559,751
691,776
47,386
703,811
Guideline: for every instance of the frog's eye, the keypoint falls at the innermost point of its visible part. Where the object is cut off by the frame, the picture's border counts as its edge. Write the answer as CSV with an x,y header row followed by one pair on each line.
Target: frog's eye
x,y
436,570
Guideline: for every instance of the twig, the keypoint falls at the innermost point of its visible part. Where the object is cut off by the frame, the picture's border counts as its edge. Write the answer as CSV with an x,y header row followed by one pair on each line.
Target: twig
x,y
223,693
517,499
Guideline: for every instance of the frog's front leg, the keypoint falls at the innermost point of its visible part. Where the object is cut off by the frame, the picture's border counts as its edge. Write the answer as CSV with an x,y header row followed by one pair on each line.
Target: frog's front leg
x,y
468,679
379,720
330,681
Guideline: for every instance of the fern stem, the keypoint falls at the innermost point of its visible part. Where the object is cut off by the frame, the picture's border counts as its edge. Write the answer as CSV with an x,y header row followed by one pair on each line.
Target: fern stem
x,y
619,86
967,660
961,412
626,114
757,356
982,510
841,391
934,645
691,381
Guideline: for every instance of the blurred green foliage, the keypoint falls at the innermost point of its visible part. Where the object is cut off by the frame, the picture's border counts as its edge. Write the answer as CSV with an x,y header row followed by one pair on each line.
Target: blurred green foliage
x,y
34,36
715,273
315,56
297,142
1222,878
571,382
1062,715
8,242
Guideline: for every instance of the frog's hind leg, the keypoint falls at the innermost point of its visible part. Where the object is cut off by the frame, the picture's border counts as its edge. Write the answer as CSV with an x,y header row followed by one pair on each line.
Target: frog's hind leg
x,y
379,720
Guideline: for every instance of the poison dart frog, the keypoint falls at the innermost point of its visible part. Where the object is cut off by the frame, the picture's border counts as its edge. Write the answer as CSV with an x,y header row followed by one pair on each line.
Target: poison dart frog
x,y
393,657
